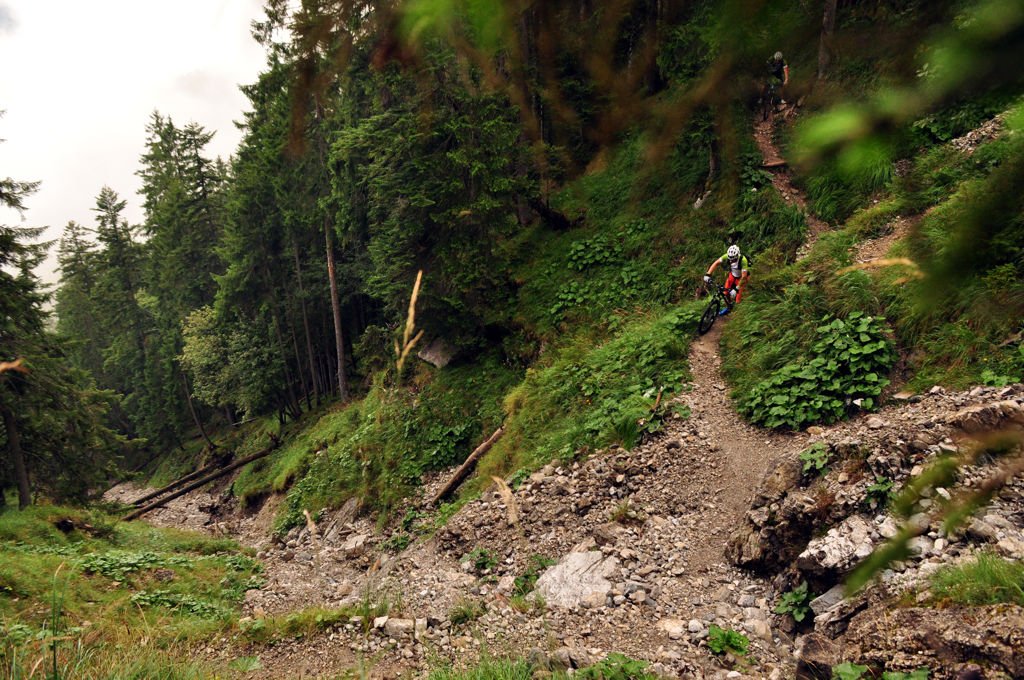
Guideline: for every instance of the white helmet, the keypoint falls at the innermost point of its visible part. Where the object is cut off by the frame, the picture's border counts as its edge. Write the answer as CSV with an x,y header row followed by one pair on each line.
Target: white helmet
x,y
733,253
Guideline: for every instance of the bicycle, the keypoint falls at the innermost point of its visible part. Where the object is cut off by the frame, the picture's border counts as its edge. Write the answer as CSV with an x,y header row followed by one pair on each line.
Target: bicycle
x,y
768,98
719,299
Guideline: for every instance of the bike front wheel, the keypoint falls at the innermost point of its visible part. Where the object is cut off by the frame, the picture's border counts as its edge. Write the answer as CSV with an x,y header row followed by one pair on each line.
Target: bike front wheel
x,y
710,314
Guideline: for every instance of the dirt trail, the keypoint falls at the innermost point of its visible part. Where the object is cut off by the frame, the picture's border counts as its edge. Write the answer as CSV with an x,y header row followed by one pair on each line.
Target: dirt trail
x,y
782,180
744,450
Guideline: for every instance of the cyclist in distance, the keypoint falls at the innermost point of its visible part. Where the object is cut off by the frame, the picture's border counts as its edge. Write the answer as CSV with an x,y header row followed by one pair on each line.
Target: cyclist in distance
x,y
739,272
778,72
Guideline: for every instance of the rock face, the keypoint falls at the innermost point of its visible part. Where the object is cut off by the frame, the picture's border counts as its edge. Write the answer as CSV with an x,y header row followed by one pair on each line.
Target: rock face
x,y
907,639
579,579
779,523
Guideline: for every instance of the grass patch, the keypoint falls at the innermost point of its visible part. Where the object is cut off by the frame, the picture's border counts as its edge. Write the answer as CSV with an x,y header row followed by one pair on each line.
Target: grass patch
x,y
378,448
579,397
988,579
76,600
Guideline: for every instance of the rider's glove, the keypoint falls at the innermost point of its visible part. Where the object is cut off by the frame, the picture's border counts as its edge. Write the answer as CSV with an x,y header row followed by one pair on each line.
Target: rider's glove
x,y
707,278
733,293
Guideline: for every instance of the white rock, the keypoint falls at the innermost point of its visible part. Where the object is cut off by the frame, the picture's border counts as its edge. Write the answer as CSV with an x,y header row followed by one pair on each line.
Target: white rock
x,y
578,577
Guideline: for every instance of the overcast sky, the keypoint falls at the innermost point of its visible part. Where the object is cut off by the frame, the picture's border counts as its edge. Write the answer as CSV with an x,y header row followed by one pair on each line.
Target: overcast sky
x,y
79,79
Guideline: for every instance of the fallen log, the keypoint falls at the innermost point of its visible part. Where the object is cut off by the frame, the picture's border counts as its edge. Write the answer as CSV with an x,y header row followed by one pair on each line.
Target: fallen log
x,y
139,512
467,467
780,163
178,482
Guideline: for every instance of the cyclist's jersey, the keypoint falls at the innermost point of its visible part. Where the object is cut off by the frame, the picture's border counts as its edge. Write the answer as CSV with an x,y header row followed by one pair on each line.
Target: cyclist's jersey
x,y
777,69
735,268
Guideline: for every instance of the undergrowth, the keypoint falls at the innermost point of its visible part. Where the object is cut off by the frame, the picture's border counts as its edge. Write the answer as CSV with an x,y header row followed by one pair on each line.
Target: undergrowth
x,y
953,313
105,585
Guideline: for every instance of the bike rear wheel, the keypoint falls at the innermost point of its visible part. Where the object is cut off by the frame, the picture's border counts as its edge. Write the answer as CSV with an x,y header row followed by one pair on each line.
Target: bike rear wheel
x,y
710,314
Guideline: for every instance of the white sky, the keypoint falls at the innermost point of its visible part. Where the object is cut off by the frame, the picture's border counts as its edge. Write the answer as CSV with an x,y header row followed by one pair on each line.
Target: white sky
x,y
79,79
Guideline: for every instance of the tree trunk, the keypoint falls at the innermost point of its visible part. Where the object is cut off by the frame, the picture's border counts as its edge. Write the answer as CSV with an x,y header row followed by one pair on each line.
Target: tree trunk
x,y
828,25
467,467
305,325
192,410
17,457
339,339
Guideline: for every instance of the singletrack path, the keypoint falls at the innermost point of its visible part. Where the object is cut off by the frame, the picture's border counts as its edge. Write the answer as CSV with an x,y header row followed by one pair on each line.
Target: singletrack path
x,y
782,180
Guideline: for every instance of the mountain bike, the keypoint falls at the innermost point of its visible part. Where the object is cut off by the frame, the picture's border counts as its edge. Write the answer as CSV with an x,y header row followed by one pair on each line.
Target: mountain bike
x,y
769,98
720,303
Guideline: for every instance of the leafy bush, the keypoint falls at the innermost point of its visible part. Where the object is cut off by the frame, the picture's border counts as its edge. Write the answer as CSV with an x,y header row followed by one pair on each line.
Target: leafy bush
x,y
117,565
852,671
616,667
880,493
722,640
845,370
796,603
178,601
815,459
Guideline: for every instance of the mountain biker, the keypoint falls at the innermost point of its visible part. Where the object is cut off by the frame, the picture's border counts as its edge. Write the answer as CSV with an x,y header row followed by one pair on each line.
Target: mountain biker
x,y
778,75
739,272
778,72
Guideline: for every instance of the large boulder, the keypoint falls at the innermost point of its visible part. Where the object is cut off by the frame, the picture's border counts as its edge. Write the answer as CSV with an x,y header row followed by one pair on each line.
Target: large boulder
x,y
839,549
986,417
579,579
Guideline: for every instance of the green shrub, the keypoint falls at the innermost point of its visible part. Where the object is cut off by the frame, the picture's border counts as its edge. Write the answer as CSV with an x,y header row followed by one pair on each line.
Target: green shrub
x,y
796,603
880,493
525,583
722,640
814,459
481,559
848,671
845,370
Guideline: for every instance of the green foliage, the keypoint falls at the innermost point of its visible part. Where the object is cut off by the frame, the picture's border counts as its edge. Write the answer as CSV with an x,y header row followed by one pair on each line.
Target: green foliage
x,y
852,671
178,602
848,671
117,565
466,610
815,459
991,378
489,668
880,493
397,542
525,582
845,369
481,560
584,395
722,640
617,666
919,674
796,602
988,579
135,573
379,448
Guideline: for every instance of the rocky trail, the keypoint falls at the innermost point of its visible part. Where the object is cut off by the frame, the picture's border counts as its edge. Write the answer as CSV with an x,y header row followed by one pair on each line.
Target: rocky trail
x,y
641,552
